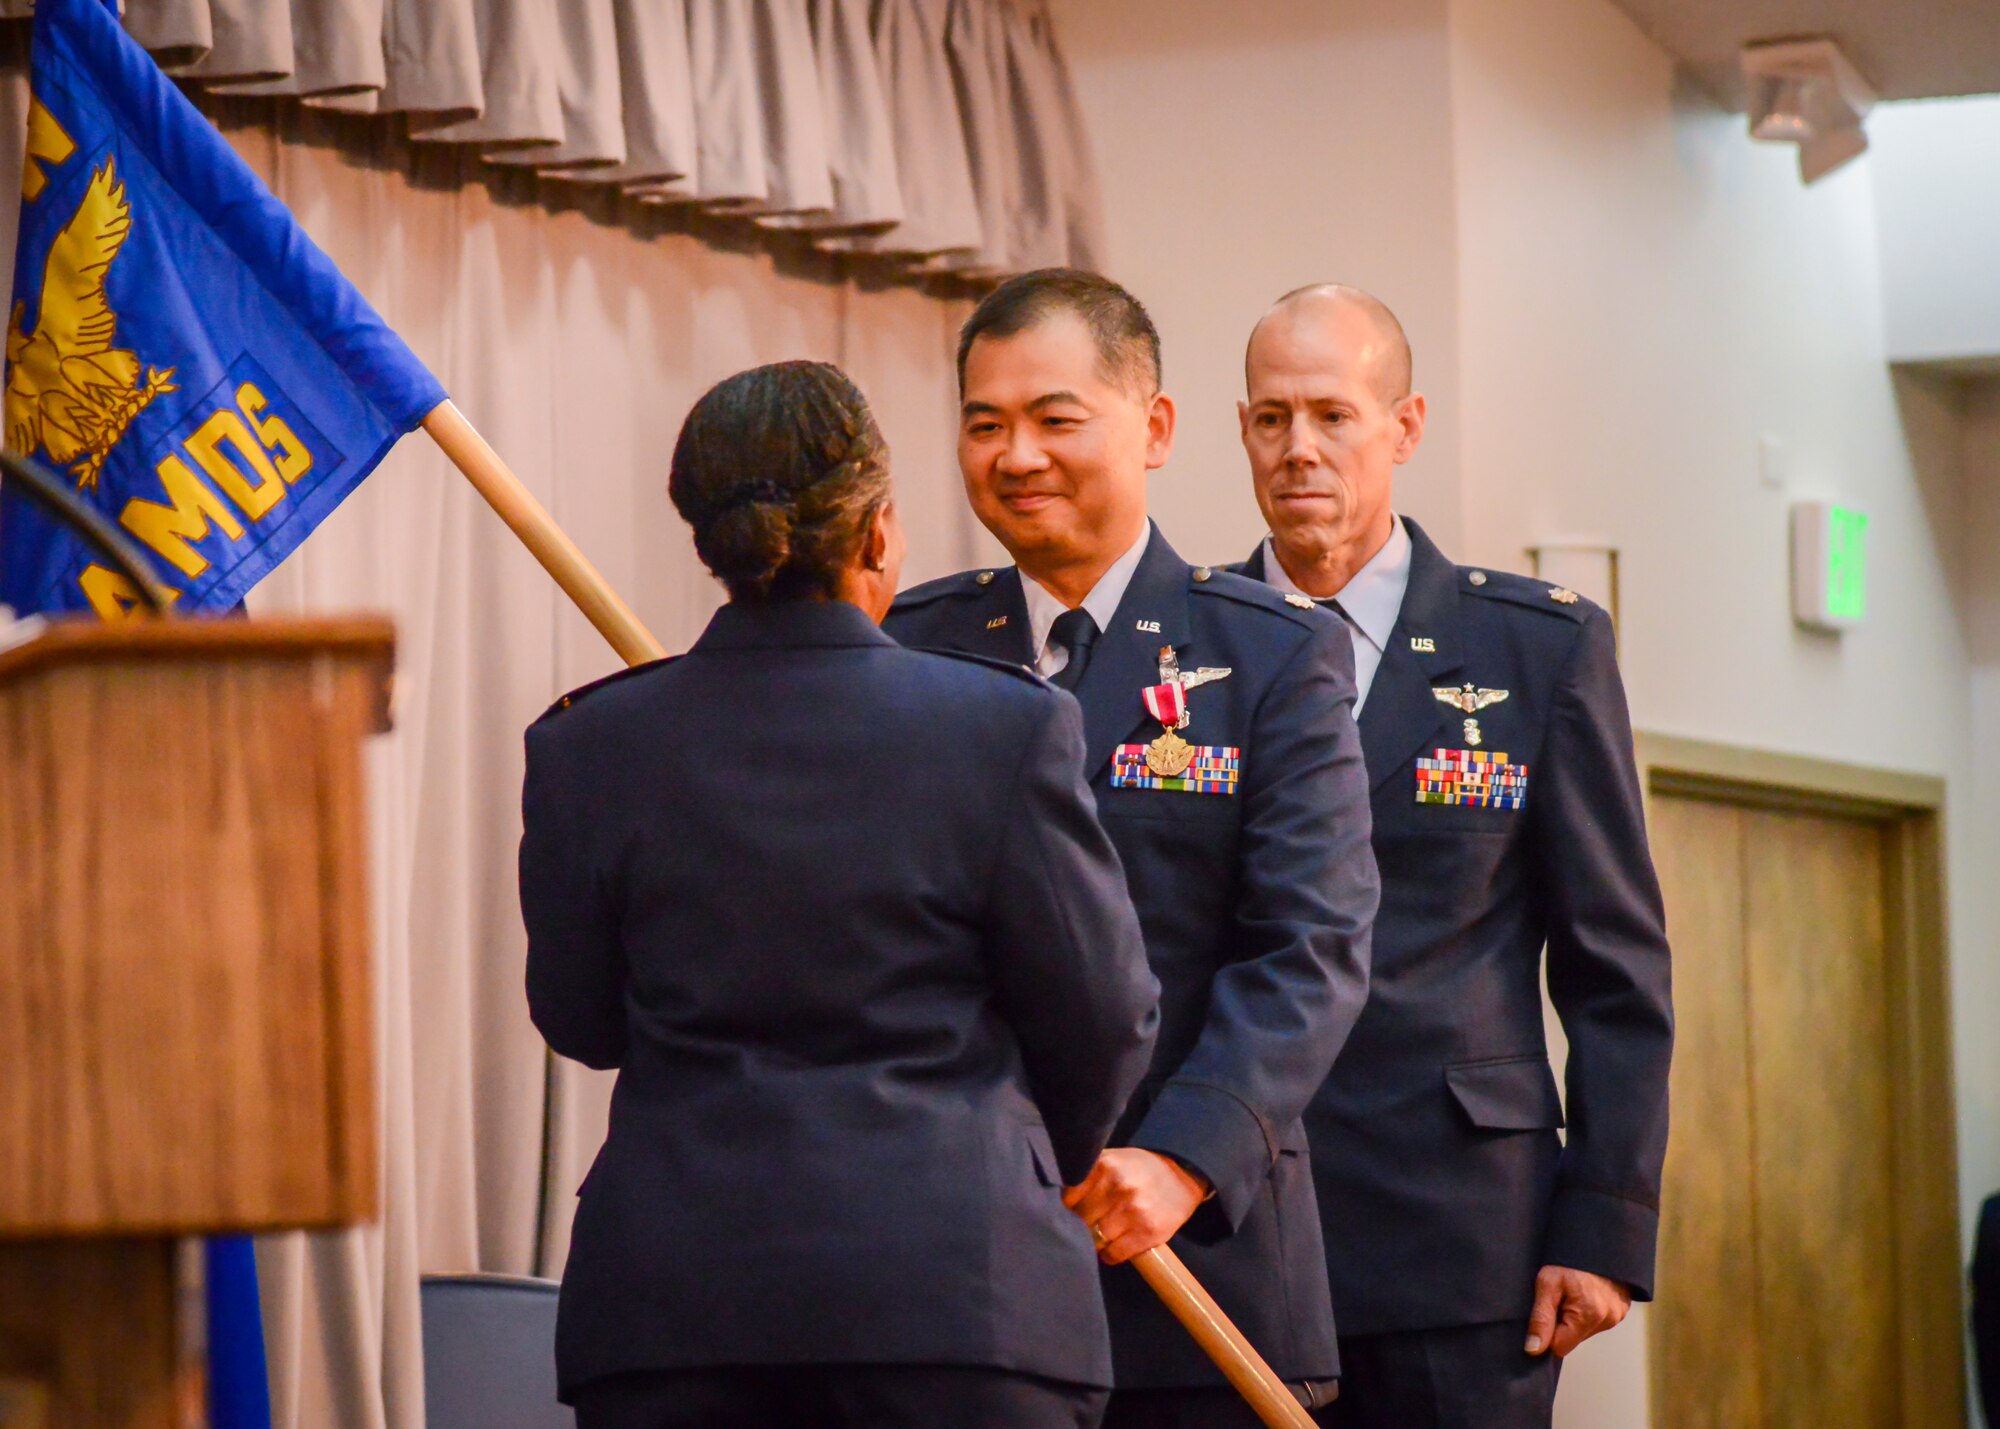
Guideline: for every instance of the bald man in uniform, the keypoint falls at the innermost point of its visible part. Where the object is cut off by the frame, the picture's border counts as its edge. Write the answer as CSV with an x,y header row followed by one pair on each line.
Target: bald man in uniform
x,y
1470,1246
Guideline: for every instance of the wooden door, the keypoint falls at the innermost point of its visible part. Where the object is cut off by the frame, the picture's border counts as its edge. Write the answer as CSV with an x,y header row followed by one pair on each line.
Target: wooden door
x,y
1777,1295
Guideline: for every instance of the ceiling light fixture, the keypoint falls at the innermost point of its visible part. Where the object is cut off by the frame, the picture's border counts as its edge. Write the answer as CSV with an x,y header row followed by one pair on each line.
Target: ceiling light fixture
x,y
1781,119
1806,92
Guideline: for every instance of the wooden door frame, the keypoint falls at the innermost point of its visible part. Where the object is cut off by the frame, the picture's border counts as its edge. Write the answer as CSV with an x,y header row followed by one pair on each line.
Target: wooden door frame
x,y
1928,1288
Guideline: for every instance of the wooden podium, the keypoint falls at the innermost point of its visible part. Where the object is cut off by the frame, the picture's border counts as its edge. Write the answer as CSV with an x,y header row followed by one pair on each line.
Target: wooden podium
x,y
186,1020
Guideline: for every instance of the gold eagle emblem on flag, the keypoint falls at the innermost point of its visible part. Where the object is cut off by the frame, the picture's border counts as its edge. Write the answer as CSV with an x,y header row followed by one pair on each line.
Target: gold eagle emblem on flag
x,y
69,390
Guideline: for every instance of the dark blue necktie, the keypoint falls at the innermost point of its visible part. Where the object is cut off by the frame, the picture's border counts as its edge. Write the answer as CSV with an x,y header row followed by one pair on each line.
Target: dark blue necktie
x,y
1076,632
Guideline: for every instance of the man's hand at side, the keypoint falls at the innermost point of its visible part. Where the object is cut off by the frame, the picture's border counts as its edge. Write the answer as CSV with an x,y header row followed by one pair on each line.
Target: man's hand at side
x,y
1571,1306
1133,1200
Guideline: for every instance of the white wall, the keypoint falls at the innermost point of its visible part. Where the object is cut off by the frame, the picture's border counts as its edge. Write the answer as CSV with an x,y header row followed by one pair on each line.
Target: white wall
x,y
1644,293
1941,282
1249,149
1977,967
1613,295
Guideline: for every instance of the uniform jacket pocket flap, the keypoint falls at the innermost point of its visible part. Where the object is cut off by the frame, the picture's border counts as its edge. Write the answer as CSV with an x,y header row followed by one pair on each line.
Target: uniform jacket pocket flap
x,y
1512,1094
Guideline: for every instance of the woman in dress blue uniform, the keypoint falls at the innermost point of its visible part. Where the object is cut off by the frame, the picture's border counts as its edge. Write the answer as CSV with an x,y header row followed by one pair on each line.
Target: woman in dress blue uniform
x,y
842,916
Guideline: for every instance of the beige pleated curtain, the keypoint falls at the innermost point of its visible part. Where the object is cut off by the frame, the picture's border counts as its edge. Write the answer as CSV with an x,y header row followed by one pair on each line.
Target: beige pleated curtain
x,y
940,135
577,345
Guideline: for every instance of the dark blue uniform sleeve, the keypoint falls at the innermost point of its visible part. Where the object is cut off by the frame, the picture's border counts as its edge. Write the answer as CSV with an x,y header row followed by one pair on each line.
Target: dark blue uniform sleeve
x,y
1066,955
1307,889
1608,971
576,965
1986,1306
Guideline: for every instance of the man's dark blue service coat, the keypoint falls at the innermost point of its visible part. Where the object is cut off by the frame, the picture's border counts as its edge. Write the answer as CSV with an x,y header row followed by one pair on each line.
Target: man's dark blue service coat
x,y
1256,904
1499,829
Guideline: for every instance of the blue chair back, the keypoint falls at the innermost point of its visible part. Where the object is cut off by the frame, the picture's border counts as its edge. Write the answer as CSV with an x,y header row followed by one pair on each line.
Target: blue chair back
x,y
490,1353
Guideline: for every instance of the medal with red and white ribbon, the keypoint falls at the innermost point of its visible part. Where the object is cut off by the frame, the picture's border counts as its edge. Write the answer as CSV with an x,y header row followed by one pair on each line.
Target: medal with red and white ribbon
x,y
1169,755
1167,703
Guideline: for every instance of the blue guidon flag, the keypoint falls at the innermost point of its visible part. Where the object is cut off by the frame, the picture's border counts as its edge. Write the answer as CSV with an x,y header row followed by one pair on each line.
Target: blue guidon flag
x,y
201,371
177,345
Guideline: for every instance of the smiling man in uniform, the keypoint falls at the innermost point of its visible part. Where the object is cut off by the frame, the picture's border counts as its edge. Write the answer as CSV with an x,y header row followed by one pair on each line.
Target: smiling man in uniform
x,y
1470,1246
1226,769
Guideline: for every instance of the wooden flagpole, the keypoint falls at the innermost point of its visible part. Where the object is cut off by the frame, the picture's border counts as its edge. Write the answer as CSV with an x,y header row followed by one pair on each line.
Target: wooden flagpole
x,y
529,520
516,505
1220,1340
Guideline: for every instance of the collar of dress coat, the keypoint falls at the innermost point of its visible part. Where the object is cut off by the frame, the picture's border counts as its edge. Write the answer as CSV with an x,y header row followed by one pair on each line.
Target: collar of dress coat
x,y
1426,650
789,624
1102,602
1373,595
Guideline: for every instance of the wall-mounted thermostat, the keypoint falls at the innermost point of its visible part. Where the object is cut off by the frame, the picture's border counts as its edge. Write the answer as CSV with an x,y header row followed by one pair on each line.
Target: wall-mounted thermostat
x,y
1829,565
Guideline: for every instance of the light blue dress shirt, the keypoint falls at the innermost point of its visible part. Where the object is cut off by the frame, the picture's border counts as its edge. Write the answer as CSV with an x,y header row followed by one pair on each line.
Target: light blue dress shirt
x,y
1102,603
1371,600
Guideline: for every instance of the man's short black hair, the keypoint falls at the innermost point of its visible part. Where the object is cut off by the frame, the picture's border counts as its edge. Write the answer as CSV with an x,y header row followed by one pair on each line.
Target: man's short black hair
x,y
1127,341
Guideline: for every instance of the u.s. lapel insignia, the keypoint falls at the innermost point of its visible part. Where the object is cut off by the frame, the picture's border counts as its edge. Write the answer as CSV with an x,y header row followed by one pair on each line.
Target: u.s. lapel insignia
x,y
996,622
1423,645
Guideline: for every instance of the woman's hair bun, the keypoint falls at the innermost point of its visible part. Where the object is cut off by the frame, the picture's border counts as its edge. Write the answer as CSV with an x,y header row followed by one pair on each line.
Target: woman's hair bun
x,y
748,545
778,470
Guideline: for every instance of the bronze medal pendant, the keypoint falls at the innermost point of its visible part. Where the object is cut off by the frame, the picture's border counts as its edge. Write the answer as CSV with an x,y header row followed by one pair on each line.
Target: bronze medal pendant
x,y
1169,755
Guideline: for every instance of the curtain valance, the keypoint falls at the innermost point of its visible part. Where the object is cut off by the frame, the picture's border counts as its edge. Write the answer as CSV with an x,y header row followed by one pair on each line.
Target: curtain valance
x,y
939,136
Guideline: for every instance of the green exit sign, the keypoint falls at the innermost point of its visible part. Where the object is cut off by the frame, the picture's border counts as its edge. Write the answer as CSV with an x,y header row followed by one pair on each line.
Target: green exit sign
x,y
1829,565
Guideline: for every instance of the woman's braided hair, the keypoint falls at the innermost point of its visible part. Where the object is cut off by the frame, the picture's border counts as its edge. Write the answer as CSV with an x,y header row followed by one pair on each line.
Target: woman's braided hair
x,y
780,470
